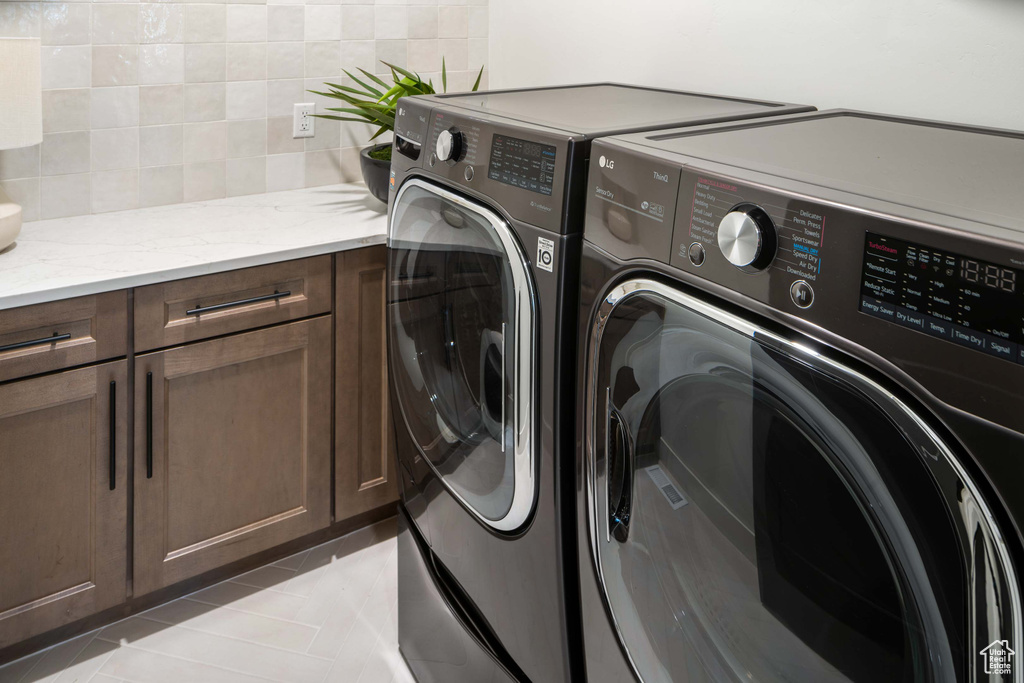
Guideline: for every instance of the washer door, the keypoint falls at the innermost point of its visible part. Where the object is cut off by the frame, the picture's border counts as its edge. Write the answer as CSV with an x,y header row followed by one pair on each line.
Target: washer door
x,y
461,330
760,513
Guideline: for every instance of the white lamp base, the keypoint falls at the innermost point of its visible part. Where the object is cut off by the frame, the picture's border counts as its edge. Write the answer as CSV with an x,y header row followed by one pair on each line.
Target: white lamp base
x,y
10,220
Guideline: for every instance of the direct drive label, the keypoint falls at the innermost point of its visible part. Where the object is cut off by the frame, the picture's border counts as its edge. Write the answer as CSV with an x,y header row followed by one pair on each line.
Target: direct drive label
x,y
545,254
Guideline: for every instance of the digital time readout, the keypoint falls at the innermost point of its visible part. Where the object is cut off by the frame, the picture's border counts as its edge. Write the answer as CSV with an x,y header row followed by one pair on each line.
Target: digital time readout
x,y
522,163
967,301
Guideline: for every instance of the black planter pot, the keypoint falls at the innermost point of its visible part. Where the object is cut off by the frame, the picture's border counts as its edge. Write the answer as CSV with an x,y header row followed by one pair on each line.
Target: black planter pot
x,y
376,173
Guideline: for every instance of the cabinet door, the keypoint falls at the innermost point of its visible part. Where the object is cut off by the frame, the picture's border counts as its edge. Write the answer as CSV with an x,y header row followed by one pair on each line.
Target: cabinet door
x,y
364,435
232,449
63,498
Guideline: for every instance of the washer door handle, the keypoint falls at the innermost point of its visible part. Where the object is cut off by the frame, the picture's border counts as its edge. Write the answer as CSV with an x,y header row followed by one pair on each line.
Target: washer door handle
x,y
620,475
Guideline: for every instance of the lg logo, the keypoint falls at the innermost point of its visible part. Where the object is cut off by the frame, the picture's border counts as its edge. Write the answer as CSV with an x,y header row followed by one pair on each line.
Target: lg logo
x,y
606,163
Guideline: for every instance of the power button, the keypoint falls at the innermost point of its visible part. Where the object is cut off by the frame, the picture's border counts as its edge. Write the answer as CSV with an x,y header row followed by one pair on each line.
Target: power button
x,y
802,294
696,254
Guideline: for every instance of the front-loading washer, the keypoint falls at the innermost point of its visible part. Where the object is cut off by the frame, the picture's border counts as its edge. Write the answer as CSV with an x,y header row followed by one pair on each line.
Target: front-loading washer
x,y
803,387
486,210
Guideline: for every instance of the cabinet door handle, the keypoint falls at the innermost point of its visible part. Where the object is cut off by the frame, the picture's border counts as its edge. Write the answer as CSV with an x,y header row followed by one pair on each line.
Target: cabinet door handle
x,y
113,435
198,310
149,425
36,342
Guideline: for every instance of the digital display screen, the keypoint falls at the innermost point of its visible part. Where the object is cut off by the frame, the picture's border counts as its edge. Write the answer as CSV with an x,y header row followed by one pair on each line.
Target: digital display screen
x,y
973,303
522,163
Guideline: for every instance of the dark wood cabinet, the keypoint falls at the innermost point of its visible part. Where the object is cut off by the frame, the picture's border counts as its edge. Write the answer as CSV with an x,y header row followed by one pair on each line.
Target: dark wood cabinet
x,y
363,435
63,498
232,449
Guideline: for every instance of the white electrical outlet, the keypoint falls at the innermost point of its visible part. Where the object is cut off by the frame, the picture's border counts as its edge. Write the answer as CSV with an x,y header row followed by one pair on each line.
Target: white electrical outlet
x,y
302,120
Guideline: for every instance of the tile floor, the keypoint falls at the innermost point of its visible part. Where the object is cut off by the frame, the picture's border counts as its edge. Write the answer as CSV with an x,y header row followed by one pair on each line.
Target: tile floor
x,y
325,615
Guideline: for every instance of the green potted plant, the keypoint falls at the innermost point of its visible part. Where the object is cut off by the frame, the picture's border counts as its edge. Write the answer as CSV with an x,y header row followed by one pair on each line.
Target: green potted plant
x,y
373,101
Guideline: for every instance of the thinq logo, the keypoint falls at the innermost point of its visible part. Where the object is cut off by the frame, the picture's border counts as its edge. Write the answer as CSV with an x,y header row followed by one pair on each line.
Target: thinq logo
x,y
882,247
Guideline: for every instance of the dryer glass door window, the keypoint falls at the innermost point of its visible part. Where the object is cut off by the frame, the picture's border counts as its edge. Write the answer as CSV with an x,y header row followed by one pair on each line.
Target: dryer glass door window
x,y
461,319
755,518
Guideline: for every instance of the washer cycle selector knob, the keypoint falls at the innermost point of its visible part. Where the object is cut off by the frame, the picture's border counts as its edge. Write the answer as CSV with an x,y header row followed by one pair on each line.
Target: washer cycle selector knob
x,y
449,145
746,237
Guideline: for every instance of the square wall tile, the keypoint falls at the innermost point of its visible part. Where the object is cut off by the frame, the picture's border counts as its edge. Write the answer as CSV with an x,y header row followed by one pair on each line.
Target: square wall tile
x,y
247,138
452,22
286,22
161,64
247,100
115,23
279,136
424,56
115,107
323,167
63,153
391,22
246,23
161,185
67,66
204,141
286,60
323,22
26,193
478,22
205,63
357,22
282,95
161,23
246,61
20,20
204,180
160,145
245,176
65,110
478,54
65,195
392,52
205,23
115,65
204,102
455,54
423,22
66,23
286,172
359,54
161,104
115,148
115,190
323,59
22,162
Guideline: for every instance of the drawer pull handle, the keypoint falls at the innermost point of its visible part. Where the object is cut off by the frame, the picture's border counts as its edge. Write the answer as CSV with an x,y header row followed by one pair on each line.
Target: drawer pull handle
x,y
36,342
113,435
149,425
199,310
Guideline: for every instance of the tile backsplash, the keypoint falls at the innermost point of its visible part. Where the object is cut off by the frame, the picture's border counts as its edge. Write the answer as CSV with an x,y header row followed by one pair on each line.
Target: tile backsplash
x,y
151,103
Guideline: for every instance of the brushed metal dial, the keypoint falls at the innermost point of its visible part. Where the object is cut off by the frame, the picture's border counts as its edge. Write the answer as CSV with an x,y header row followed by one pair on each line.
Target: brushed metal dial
x,y
449,144
742,238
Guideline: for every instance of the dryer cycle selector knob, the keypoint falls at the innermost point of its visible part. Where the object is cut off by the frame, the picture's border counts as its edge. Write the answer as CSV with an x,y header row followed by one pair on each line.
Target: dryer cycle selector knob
x,y
746,237
449,145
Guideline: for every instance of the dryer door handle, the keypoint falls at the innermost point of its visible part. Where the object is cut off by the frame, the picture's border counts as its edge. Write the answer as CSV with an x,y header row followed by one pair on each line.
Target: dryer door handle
x,y
620,475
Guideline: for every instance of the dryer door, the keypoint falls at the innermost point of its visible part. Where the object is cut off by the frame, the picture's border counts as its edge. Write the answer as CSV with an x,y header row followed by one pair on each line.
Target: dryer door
x,y
760,513
461,329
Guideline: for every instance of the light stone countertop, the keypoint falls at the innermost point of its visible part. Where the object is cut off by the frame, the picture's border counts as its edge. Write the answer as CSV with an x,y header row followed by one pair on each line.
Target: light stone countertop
x,y
68,257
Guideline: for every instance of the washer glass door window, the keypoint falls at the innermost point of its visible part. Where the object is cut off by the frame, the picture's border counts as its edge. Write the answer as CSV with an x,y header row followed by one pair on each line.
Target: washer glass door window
x,y
760,513
461,317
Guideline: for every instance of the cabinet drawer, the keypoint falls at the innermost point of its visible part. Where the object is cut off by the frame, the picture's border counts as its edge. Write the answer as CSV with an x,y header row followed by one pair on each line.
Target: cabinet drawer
x,y
181,311
63,334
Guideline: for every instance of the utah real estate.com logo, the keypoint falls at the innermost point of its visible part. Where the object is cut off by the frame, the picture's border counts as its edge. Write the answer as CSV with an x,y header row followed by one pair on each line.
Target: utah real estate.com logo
x,y
998,658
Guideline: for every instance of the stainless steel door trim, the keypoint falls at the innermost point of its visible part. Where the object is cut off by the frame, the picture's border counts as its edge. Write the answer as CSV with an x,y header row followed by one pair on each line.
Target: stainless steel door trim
x,y
976,516
524,357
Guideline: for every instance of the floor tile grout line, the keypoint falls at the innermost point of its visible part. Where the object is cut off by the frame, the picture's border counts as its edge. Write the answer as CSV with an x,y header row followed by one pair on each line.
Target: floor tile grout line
x,y
104,663
276,648
128,646
245,611
369,593
54,647
380,634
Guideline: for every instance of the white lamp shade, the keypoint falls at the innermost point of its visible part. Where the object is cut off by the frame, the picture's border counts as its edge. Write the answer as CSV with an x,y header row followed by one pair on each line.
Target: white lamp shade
x,y
21,96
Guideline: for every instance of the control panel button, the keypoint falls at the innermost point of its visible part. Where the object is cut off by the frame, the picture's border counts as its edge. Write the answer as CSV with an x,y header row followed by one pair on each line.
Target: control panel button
x,y
468,173
802,294
432,160
449,145
746,237
696,254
